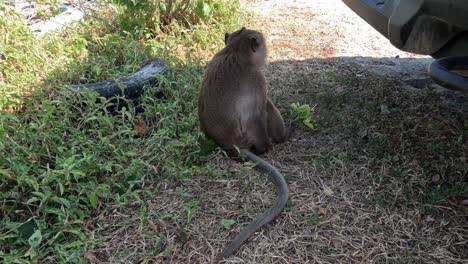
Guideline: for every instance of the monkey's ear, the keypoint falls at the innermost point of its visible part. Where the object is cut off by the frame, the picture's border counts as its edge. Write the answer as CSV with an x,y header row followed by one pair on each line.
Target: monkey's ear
x,y
226,36
254,44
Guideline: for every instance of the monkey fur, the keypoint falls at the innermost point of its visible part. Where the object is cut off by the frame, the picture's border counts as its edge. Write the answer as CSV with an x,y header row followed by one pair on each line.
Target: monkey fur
x,y
235,112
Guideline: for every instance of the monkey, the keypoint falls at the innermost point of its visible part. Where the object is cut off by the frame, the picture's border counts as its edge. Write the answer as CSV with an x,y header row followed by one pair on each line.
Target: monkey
x,y
235,111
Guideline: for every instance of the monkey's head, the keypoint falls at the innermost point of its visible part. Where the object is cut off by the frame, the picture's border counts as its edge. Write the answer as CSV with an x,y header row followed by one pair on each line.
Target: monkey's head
x,y
248,42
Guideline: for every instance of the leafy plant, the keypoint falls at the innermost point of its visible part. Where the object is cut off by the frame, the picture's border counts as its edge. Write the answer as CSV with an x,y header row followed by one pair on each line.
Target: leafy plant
x,y
302,114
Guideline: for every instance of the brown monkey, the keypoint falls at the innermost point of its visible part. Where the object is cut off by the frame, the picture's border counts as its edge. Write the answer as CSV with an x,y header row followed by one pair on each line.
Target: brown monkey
x,y
235,112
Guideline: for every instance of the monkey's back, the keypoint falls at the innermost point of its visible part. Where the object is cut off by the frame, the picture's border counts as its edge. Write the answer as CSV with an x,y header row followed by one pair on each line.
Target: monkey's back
x,y
233,94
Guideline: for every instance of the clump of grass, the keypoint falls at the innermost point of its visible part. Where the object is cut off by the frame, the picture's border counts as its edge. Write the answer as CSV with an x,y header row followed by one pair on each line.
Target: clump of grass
x,y
62,163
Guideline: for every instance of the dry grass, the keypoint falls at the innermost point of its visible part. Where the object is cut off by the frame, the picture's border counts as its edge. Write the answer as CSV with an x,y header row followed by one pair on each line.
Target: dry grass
x,y
381,179
308,41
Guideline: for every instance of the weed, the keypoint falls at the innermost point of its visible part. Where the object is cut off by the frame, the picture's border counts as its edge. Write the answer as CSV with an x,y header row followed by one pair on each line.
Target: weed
x,y
302,114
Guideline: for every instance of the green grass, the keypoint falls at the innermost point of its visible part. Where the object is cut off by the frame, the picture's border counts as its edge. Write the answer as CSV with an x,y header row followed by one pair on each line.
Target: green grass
x,y
62,164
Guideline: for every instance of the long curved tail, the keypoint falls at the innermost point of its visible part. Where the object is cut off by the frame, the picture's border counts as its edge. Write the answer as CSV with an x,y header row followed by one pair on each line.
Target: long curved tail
x,y
265,217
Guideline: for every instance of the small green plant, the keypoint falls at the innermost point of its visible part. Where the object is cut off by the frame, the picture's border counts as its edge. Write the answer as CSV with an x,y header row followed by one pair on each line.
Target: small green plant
x,y
302,114
227,223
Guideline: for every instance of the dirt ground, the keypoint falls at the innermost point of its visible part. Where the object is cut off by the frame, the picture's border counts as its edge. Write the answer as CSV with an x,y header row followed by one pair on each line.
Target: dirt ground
x,y
382,178
362,181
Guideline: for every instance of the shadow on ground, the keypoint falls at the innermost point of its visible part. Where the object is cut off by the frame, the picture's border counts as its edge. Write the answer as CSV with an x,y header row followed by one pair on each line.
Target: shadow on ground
x,y
381,178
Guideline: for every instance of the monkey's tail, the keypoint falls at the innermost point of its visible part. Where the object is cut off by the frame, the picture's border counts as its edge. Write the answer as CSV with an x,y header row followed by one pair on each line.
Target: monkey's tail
x,y
265,217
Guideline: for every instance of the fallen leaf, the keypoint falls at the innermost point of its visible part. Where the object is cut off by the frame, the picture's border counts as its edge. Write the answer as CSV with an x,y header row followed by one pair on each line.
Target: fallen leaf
x,y
91,257
140,127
